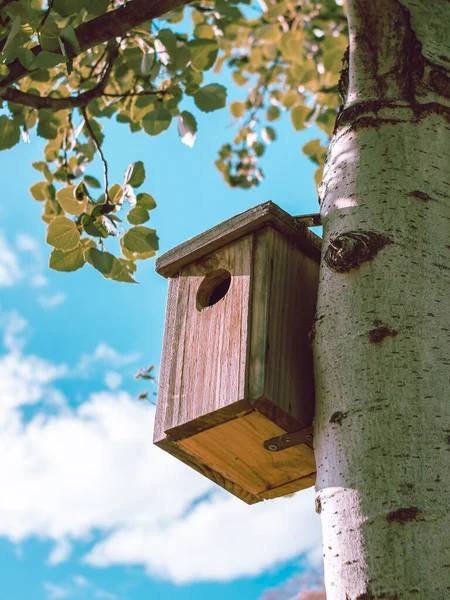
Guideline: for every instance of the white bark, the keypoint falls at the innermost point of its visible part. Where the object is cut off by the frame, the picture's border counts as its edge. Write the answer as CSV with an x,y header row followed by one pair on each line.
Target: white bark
x,y
382,346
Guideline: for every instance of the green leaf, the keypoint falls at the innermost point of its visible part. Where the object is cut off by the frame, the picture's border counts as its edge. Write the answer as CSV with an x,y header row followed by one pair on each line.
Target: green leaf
x,y
210,97
203,53
237,109
140,240
298,116
273,113
122,269
146,201
135,174
69,261
25,56
156,121
47,60
147,62
138,215
9,133
42,191
4,70
63,234
68,201
187,128
68,35
92,181
102,261
268,134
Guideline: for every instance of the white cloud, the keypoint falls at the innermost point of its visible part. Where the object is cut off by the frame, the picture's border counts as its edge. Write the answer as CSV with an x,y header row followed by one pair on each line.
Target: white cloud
x,y
113,380
10,271
60,552
94,469
38,280
27,243
56,592
53,300
238,540
14,326
106,355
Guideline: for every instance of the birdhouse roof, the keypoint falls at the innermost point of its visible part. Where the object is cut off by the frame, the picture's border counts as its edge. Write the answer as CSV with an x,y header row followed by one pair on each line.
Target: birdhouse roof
x,y
267,214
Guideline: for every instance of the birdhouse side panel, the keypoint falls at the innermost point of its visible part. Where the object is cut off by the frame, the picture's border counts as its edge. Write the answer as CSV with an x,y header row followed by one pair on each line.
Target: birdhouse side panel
x,y
206,362
283,307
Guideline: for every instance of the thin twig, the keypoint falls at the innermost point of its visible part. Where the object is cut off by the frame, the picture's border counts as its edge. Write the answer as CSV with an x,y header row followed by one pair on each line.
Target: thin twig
x,y
98,148
46,14
132,94
6,3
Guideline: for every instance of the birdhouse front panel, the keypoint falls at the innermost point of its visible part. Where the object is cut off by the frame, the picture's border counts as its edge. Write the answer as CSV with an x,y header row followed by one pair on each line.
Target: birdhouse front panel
x,y
236,392
207,355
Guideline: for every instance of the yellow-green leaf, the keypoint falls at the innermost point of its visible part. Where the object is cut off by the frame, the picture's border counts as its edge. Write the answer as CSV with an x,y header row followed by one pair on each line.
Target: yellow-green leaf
x,y
69,261
67,200
63,234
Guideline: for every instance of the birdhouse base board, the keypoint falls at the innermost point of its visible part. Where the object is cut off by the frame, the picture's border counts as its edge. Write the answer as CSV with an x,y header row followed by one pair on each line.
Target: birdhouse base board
x,y
233,455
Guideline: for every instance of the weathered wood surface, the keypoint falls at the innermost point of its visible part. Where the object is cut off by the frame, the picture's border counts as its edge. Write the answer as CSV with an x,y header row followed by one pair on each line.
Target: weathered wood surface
x,y
200,466
235,450
284,294
239,372
205,352
225,233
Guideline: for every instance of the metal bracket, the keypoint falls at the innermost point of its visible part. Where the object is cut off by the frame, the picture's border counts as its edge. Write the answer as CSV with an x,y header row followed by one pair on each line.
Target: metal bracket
x,y
288,440
313,220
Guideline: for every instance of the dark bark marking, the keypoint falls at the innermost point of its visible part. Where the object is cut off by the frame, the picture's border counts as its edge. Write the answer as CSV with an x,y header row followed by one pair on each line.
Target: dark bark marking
x,y
318,506
403,515
338,417
420,195
381,332
382,596
358,116
412,66
440,82
343,79
348,250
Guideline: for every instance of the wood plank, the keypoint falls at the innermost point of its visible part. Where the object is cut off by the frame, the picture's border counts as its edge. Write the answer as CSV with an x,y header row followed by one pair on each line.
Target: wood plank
x,y
205,470
170,263
205,351
284,293
235,449
290,488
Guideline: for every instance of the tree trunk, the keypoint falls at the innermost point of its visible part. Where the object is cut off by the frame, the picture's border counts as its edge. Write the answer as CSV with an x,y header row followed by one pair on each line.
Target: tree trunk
x,y
382,332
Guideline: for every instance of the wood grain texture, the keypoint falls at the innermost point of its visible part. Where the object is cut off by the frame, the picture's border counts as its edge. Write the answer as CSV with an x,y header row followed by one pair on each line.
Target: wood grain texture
x,y
199,465
284,294
239,372
205,352
235,450
170,263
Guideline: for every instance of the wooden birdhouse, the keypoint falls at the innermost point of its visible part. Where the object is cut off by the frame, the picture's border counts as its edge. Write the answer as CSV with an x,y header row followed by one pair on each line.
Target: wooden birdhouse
x,y
236,395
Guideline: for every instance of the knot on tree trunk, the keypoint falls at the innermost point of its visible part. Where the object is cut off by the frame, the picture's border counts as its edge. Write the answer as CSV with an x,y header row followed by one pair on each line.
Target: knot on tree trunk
x,y
348,250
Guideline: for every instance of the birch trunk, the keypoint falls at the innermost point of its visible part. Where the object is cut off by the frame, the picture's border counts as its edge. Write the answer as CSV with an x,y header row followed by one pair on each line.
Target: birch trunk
x,y
382,332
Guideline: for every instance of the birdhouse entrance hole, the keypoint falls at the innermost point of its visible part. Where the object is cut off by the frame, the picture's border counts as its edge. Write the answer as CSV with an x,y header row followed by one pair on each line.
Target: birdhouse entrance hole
x,y
213,288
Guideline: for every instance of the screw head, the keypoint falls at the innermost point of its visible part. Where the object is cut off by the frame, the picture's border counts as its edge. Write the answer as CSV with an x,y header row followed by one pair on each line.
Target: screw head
x,y
272,447
308,437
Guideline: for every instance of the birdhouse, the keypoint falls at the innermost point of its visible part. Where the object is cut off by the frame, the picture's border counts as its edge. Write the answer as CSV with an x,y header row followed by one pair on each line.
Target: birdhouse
x,y
236,395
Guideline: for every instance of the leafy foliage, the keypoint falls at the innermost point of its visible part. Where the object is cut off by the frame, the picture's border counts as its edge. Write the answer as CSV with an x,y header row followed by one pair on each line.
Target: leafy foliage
x,y
284,55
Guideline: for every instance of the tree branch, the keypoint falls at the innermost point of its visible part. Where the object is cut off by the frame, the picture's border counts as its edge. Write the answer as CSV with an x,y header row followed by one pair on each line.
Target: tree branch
x,y
99,150
5,3
111,25
80,101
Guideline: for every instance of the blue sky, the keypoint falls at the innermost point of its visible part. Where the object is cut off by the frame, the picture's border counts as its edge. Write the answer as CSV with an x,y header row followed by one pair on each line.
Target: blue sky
x,y
89,508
